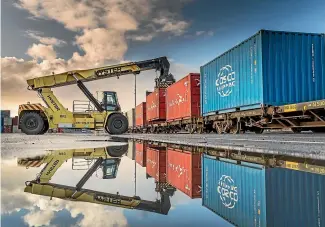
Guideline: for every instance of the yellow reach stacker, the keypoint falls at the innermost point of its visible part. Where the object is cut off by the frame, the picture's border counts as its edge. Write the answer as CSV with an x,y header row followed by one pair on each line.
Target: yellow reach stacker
x,y
94,114
107,159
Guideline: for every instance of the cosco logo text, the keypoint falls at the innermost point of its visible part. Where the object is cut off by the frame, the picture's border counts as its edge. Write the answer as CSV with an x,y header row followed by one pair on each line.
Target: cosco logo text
x,y
225,81
227,191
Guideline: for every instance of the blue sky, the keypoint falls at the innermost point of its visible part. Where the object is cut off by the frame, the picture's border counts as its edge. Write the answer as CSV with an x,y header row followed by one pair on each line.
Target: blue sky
x,y
86,34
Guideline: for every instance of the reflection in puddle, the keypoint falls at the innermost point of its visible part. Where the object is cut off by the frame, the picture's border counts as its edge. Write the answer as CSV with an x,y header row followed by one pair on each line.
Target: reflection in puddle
x,y
246,189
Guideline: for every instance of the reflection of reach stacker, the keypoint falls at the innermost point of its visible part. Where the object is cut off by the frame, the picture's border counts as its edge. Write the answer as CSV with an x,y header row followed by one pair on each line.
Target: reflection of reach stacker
x,y
81,159
41,186
93,114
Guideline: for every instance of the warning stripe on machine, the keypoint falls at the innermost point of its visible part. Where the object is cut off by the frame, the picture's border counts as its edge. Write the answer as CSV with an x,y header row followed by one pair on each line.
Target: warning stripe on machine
x,y
36,106
31,163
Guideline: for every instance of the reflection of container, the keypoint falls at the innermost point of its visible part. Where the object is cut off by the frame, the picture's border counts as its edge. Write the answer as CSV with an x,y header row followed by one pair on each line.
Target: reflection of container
x,y
270,68
156,105
140,153
7,121
184,171
183,98
7,128
251,195
140,115
156,163
15,129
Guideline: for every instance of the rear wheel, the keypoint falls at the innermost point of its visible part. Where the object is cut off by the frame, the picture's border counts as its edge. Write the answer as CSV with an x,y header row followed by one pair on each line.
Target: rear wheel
x,y
117,151
117,124
32,123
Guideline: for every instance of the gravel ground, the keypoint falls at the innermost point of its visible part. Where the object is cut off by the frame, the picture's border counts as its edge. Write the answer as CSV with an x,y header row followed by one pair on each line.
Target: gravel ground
x,y
306,145
18,145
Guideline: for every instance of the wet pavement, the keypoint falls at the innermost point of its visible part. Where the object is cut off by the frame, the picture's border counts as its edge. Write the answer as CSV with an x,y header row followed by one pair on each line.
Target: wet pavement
x,y
122,182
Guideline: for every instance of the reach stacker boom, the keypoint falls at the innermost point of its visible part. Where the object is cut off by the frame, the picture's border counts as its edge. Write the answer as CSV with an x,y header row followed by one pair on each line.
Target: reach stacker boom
x,y
37,119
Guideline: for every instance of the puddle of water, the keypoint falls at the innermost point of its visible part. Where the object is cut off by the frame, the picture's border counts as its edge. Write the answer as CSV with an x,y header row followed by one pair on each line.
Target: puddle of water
x,y
142,183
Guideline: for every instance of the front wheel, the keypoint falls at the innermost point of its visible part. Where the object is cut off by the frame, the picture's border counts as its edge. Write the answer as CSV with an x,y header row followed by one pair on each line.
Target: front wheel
x,y
117,124
32,123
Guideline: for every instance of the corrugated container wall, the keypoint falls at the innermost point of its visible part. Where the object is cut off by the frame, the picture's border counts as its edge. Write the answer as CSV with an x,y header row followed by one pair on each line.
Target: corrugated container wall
x,y
140,115
250,195
184,171
183,98
156,105
15,120
131,117
271,68
156,163
140,153
5,113
7,121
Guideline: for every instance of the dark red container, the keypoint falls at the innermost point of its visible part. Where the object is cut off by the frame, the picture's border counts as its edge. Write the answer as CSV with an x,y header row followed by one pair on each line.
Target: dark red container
x,y
183,98
7,128
184,171
140,115
156,163
156,105
15,120
140,153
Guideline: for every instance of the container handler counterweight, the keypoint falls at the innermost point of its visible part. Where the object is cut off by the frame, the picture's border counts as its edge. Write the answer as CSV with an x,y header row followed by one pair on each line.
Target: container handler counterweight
x,y
37,119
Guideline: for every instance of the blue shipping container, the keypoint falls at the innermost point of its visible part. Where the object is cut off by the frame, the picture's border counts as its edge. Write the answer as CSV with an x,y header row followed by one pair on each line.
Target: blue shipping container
x,y
271,68
249,195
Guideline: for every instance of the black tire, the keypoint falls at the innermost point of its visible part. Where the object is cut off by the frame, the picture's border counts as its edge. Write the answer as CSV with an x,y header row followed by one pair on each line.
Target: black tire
x,y
296,130
258,130
117,124
31,123
117,151
45,128
318,130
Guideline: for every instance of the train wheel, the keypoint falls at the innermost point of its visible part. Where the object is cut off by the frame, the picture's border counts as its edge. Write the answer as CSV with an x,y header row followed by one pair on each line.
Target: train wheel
x,y
258,130
296,130
318,130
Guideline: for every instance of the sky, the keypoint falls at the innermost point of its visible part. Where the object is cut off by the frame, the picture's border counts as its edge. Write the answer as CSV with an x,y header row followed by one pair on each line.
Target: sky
x,y
39,37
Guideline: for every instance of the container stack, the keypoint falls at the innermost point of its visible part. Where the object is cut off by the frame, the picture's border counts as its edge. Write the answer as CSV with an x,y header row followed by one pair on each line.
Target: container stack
x,y
15,128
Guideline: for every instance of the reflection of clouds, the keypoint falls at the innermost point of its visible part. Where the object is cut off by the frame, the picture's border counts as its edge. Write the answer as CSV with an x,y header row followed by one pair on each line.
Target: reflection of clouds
x,y
39,218
42,209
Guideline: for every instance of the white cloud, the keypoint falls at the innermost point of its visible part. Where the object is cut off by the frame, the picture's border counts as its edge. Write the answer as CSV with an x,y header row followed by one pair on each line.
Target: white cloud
x,y
121,21
146,38
176,27
101,44
208,33
41,51
45,40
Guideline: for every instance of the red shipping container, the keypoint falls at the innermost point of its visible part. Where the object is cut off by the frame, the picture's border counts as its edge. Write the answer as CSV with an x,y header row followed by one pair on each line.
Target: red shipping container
x,y
183,98
156,105
184,171
15,120
156,163
7,128
140,115
140,153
